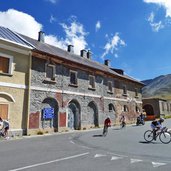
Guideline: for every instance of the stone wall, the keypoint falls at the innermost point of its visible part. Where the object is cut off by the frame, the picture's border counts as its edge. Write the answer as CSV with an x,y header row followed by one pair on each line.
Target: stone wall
x,y
99,98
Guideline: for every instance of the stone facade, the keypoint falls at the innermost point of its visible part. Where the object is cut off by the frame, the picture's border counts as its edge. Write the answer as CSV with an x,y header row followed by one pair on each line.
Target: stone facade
x,y
155,108
47,89
88,106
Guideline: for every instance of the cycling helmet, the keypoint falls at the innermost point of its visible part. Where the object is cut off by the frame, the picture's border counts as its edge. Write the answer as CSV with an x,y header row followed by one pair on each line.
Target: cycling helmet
x,y
161,119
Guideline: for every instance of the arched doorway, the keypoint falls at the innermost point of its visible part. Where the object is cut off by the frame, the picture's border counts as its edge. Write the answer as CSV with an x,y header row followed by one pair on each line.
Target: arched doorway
x,y
74,116
148,109
149,112
112,111
93,114
49,116
5,100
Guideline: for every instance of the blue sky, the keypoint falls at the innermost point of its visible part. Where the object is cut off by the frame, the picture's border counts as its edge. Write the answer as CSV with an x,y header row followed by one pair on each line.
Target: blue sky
x,y
135,35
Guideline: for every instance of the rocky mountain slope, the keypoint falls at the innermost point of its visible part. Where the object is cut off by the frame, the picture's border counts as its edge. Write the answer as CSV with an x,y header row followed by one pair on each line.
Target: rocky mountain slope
x,y
159,87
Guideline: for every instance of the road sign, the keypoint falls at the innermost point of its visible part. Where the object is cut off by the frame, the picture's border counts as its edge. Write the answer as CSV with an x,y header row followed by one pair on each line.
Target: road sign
x,y
48,113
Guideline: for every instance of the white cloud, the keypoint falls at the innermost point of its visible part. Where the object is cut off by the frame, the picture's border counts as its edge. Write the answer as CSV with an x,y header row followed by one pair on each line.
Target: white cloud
x,y
156,26
98,25
52,19
164,3
52,1
112,45
27,25
75,35
20,22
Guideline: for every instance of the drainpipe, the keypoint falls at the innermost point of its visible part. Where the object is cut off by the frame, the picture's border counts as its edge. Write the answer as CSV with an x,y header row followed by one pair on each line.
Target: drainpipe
x,y
29,89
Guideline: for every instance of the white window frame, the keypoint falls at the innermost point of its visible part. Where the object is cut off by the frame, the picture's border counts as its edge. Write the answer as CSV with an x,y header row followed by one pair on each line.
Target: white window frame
x,y
76,79
110,85
11,58
54,69
90,86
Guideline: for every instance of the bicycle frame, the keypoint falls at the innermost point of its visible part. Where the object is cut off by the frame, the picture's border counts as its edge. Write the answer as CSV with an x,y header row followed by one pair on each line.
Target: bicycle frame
x,y
164,135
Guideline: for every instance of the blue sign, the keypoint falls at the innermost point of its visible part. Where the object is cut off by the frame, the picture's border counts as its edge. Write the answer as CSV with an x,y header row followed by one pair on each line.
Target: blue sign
x,y
48,113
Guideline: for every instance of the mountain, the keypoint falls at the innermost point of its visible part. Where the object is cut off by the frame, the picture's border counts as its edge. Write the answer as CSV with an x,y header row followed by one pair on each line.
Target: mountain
x,y
159,87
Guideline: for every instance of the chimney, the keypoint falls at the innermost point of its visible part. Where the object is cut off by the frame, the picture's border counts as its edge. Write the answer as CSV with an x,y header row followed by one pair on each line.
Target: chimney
x,y
41,37
83,53
89,54
71,48
107,62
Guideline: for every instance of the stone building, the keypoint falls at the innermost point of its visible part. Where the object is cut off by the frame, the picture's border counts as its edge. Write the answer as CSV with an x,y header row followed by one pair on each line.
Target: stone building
x,y
156,107
75,91
56,90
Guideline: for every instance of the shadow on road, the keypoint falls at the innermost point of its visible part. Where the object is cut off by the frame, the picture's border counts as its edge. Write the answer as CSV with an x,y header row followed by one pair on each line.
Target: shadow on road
x,y
116,128
100,135
145,142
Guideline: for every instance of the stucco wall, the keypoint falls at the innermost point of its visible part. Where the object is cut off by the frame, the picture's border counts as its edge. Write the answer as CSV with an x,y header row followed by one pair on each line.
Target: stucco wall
x,y
16,85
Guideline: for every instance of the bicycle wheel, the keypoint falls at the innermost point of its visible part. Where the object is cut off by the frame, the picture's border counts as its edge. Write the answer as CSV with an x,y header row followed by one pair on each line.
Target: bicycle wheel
x,y
1,126
165,137
105,131
148,135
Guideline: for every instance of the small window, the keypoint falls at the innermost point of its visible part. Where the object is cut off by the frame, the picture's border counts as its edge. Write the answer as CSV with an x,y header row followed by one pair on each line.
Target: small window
x,y
136,92
163,106
124,90
111,108
125,108
137,109
6,64
73,78
50,72
110,86
91,82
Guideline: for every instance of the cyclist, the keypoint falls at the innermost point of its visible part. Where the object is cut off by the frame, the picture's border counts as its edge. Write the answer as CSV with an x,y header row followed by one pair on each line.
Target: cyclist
x,y
107,123
5,125
123,121
156,125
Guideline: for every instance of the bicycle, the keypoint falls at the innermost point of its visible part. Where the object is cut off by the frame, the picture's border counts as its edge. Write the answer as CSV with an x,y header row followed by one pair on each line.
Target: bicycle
x,y
105,130
1,129
163,134
123,124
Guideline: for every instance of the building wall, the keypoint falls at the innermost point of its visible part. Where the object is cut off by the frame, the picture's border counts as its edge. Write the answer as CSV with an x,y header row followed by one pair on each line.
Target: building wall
x,y
15,86
160,107
89,101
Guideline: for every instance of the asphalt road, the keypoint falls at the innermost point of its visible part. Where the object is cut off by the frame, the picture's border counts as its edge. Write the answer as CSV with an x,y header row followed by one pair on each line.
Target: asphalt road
x,y
121,150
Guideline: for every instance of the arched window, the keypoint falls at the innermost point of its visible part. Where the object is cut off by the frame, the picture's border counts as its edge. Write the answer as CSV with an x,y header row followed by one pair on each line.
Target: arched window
x,y
111,107
125,108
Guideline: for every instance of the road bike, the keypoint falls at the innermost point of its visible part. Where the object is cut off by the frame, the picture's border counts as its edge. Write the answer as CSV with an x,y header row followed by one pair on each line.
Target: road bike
x,y
1,129
105,130
163,134
123,124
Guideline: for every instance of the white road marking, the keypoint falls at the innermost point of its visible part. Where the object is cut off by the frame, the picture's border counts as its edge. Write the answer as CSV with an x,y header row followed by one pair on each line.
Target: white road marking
x,y
156,164
72,142
52,161
116,158
136,160
99,155
117,154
